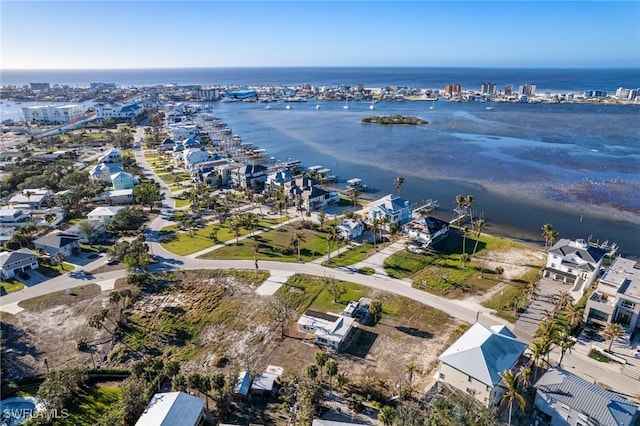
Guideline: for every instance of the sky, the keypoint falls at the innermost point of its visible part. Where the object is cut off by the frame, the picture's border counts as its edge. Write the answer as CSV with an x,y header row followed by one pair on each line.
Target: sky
x,y
165,34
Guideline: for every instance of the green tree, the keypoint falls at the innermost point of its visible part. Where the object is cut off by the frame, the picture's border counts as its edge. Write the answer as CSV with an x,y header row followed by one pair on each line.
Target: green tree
x,y
611,332
375,309
397,183
296,241
386,415
132,400
322,217
127,218
565,342
146,194
512,385
312,371
321,359
86,229
332,370
60,387
478,230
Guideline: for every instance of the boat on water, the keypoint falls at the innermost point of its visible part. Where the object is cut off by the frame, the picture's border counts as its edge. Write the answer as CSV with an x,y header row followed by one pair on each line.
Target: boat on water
x,y
318,105
372,106
346,104
489,107
433,105
288,106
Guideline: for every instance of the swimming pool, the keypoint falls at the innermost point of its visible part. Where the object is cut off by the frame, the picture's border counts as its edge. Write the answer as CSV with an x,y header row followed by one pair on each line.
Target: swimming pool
x,y
14,411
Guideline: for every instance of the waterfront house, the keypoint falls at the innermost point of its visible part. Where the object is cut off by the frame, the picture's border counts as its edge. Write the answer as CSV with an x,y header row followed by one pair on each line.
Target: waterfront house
x,y
123,180
58,242
173,408
576,263
426,231
13,217
278,178
12,263
333,331
391,209
474,362
103,214
113,155
349,229
562,398
248,176
186,144
193,156
617,297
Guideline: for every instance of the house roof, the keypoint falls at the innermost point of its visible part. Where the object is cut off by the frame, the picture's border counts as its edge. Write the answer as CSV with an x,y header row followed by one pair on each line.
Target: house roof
x,y
105,211
58,240
121,175
601,405
263,382
389,204
483,353
15,256
243,383
579,248
172,409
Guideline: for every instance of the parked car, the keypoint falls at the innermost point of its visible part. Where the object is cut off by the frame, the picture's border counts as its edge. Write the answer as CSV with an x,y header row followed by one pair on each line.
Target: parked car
x,y
637,352
112,261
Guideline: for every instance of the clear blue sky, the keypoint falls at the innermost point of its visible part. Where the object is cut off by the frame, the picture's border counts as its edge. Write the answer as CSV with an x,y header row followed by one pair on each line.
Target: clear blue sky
x,y
158,34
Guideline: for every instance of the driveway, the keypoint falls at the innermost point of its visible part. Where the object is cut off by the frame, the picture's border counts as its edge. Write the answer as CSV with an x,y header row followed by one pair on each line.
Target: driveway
x,y
542,302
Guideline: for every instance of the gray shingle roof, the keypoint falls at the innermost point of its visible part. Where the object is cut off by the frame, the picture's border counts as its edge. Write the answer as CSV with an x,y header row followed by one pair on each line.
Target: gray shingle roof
x,y
483,353
16,256
57,240
599,404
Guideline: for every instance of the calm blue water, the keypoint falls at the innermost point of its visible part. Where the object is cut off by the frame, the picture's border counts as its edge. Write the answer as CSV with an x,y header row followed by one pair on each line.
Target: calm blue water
x,y
554,80
575,166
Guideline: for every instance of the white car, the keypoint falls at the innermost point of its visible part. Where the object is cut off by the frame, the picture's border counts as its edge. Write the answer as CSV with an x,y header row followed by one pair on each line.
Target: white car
x,y
637,352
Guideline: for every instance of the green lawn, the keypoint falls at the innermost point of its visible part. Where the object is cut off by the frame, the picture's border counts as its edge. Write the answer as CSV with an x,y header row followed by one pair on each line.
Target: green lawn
x,y
274,245
11,285
181,243
182,203
91,405
348,257
598,356
52,271
75,295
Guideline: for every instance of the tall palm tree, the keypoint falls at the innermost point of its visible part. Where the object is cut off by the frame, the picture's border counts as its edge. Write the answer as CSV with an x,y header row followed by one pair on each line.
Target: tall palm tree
x,y
386,415
312,371
573,313
234,226
546,329
332,370
563,300
479,228
465,231
611,332
468,203
398,182
547,231
321,359
460,203
411,369
539,348
512,384
565,342
296,241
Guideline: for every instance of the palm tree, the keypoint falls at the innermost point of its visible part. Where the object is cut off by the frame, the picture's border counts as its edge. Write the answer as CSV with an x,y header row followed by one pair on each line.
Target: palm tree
x,y
375,309
332,370
525,374
573,313
386,415
296,241
411,369
540,348
547,232
465,231
546,329
564,299
468,203
479,228
341,380
354,193
512,385
460,203
234,226
312,371
565,342
465,258
398,182
499,271
321,359
611,332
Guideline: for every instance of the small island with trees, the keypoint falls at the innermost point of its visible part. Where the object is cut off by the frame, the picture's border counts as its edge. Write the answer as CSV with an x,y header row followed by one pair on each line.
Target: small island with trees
x,y
395,119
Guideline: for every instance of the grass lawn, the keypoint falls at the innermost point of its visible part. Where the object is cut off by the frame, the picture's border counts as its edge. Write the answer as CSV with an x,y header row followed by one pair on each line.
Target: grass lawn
x,y
182,203
75,220
273,245
441,271
598,356
52,271
348,257
76,295
11,285
91,405
182,244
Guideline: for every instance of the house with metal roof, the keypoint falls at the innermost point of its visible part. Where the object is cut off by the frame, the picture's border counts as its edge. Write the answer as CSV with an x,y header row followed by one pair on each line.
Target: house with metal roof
x,y
426,231
334,331
576,263
474,362
173,409
562,398
11,263
349,229
391,209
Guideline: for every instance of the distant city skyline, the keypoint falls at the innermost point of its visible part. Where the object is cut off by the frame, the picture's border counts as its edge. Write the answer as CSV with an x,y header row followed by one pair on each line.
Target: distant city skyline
x,y
164,34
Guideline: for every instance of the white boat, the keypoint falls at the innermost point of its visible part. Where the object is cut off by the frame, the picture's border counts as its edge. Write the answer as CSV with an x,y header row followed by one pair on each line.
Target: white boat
x,y
433,105
346,104
490,107
288,106
372,106
318,106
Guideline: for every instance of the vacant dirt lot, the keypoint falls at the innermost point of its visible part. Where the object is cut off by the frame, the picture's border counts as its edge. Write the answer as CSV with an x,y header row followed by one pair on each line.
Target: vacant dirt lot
x,y
515,261
201,319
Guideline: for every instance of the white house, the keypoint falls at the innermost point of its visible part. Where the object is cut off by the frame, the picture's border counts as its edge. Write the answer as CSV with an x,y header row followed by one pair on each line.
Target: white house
x,y
474,361
13,217
562,398
334,331
349,229
391,209
173,408
576,263
193,156
248,176
58,242
120,196
113,155
17,261
102,172
123,180
103,214
617,296
427,231
278,178
110,110
33,198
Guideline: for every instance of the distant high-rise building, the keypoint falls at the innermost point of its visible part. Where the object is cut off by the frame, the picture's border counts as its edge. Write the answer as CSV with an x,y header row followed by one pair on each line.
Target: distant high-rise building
x,y
508,89
527,89
452,89
489,88
595,94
